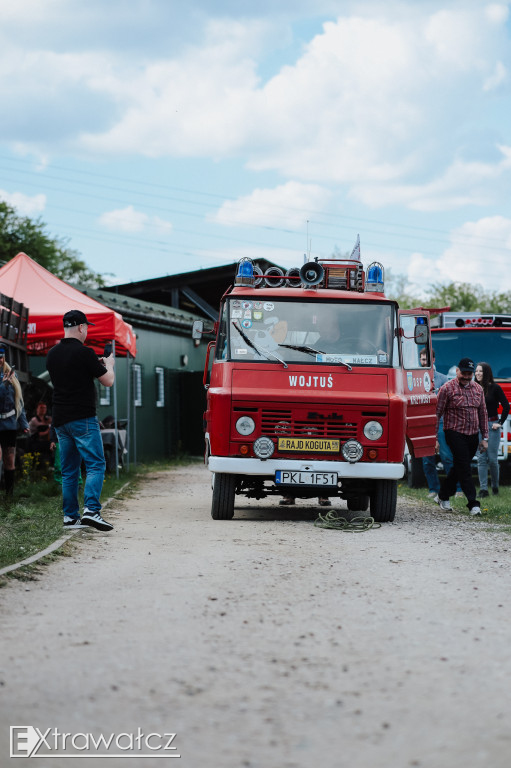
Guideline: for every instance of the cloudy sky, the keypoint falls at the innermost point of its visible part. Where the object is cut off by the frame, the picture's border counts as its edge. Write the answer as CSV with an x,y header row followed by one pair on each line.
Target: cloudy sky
x,y
160,136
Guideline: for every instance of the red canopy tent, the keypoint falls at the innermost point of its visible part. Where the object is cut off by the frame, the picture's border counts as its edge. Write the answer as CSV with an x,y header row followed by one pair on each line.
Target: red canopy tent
x,y
48,298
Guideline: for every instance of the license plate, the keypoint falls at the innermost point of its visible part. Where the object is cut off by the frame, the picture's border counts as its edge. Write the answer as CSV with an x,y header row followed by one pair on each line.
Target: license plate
x,y
288,477
309,445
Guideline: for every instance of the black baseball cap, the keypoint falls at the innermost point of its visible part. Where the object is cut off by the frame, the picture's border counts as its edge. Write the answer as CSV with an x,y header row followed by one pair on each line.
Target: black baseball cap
x,y
75,317
466,365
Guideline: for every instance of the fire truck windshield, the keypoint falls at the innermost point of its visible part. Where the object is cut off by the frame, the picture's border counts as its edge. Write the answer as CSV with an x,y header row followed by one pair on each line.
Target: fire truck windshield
x,y
318,332
482,345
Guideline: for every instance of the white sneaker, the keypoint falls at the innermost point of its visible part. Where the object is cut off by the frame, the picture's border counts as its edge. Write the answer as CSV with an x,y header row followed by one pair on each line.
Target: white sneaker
x,y
445,505
431,494
95,520
72,522
475,511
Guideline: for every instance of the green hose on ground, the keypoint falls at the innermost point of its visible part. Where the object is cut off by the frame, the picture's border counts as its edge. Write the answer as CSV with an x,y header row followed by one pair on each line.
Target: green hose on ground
x,y
347,521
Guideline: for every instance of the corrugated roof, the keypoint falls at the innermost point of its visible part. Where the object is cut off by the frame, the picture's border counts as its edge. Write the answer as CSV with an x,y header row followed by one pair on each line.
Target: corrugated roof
x,y
137,310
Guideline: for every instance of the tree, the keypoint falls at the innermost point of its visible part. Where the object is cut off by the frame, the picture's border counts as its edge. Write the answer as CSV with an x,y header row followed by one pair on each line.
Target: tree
x,y
396,288
20,233
466,297
460,297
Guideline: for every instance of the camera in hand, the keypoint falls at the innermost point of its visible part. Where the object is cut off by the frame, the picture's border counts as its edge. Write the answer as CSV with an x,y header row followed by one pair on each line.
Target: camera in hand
x,y
107,350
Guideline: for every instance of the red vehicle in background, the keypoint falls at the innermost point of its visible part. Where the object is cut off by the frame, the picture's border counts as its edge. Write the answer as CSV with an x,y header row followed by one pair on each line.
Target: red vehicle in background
x,y
315,386
485,338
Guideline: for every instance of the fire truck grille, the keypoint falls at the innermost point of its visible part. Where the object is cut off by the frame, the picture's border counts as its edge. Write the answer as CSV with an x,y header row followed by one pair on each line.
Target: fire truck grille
x,y
285,423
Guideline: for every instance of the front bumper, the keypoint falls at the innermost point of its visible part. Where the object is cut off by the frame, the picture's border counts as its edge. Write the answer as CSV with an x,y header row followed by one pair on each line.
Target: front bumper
x,y
369,470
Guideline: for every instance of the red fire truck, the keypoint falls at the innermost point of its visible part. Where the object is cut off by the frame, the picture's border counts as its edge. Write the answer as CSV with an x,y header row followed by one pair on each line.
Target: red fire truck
x,y
315,385
483,338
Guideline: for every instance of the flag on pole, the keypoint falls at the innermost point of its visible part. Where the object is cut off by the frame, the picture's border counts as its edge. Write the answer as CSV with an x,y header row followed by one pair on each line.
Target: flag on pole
x,y
355,254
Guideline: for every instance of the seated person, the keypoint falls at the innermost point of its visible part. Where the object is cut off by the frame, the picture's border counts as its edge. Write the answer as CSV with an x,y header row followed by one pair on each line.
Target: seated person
x,y
39,426
336,340
330,337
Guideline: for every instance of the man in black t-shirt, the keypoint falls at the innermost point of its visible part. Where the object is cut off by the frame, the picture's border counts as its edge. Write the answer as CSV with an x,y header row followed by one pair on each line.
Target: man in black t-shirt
x,y
73,369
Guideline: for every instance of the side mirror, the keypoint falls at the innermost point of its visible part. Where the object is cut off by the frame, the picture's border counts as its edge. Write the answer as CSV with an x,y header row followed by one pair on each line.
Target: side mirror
x,y
421,334
197,329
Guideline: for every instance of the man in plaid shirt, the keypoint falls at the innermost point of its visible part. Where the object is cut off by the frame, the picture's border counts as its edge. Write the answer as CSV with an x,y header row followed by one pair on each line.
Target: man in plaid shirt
x,y
461,403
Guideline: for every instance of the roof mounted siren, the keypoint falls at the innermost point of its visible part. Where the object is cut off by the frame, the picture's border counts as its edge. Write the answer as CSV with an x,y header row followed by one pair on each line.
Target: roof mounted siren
x,y
311,274
374,279
245,273
248,273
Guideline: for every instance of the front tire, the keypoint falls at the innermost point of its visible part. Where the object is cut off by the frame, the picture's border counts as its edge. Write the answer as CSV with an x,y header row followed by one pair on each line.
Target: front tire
x,y
222,505
383,501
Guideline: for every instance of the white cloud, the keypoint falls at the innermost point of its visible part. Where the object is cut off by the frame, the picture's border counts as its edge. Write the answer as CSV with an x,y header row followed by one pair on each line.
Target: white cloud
x,y
129,220
25,205
369,99
462,184
454,38
497,13
479,253
288,205
374,100
194,106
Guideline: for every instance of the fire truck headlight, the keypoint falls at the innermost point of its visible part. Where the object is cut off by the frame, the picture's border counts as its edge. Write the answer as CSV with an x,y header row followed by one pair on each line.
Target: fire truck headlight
x,y
352,451
373,430
245,425
263,447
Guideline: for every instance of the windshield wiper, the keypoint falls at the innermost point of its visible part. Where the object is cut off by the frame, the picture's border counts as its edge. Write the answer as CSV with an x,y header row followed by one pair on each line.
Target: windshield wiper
x,y
303,348
264,352
312,351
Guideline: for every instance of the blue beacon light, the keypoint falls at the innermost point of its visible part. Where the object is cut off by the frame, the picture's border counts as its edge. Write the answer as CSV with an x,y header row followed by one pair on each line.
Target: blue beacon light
x,y
245,274
374,281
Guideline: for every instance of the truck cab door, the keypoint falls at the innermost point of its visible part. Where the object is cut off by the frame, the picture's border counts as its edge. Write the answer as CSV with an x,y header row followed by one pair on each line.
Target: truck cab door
x,y
418,387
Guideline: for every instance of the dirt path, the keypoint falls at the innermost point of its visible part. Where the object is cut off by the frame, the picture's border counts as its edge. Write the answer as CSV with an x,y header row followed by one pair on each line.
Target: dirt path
x,y
264,642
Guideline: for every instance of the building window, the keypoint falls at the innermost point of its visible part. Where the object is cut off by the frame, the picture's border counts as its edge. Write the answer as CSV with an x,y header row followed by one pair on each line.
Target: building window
x,y
137,385
104,395
160,387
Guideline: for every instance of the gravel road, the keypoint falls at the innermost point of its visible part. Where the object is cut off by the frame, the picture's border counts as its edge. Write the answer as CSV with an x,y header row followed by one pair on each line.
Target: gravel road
x,y
264,642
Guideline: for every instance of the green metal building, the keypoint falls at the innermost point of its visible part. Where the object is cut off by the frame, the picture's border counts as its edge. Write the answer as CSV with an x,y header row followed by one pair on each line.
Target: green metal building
x,y
160,392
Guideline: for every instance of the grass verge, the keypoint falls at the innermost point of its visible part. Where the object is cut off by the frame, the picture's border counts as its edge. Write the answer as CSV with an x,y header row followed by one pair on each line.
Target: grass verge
x,y
495,509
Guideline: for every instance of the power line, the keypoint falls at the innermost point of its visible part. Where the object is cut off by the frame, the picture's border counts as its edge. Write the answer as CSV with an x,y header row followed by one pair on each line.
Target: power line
x,y
267,209
263,227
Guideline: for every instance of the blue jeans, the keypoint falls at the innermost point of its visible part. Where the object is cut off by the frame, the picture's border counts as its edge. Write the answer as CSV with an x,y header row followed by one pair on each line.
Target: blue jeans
x,y
79,440
430,471
489,458
429,462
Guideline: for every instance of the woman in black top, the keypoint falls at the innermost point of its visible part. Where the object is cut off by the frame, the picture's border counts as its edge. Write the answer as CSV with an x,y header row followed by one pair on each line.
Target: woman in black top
x,y
493,396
